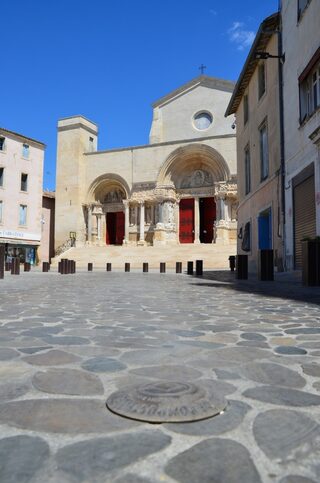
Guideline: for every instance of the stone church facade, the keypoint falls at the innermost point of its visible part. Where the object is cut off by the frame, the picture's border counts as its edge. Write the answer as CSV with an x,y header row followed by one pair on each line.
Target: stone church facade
x,y
180,188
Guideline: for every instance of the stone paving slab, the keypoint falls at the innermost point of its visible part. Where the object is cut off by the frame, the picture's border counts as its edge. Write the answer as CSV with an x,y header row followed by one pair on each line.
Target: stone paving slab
x,y
68,342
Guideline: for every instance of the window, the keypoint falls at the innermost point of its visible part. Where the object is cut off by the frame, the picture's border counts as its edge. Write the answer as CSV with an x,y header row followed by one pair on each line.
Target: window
x,y
246,240
25,150
264,154
247,170
1,211
310,93
2,143
91,145
24,182
1,176
23,215
262,79
245,109
202,120
302,5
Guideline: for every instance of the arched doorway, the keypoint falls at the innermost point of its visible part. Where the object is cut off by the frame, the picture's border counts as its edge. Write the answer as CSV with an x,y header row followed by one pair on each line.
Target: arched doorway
x,y
115,218
107,212
194,172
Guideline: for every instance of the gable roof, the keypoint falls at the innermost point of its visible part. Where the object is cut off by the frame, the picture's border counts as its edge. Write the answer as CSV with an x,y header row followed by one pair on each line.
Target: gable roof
x,y
201,80
5,131
266,30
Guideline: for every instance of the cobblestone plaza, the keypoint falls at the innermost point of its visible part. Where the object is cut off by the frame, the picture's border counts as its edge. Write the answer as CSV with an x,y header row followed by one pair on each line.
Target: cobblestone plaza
x,y
68,342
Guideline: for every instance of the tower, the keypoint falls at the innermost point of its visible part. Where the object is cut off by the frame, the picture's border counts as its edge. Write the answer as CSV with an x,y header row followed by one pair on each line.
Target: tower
x,y
76,136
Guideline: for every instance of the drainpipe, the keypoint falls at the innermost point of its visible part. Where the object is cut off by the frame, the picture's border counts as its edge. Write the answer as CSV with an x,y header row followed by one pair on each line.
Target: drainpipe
x,y
282,135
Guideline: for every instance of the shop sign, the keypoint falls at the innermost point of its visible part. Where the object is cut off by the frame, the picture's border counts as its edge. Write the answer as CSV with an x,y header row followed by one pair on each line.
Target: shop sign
x,y
19,234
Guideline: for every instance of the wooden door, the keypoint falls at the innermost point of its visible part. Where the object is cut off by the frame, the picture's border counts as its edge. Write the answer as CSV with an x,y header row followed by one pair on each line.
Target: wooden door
x,y
119,228
265,230
207,219
111,228
186,224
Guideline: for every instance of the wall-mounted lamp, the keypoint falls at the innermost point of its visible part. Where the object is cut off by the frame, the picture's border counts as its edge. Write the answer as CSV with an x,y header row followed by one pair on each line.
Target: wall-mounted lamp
x,y
265,55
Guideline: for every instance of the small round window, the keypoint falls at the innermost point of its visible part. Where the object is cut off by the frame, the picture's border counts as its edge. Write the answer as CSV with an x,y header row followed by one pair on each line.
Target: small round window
x,y
202,120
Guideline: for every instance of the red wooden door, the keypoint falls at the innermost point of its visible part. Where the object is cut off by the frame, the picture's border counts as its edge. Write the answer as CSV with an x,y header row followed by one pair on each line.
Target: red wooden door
x,y
186,224
119,228
111,229
207,219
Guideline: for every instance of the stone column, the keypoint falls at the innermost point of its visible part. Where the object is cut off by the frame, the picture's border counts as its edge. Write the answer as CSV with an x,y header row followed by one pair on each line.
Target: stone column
x,y
227,216
196,220
98,227
160,212
126,222
222,209
141,237
220,223
103,228
177,219
89,223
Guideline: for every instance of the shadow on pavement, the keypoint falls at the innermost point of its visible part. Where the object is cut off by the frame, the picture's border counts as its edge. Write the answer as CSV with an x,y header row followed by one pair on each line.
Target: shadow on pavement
x,y
285,285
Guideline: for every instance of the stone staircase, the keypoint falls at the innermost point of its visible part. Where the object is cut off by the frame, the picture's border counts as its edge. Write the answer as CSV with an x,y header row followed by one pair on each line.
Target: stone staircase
x,y
213,256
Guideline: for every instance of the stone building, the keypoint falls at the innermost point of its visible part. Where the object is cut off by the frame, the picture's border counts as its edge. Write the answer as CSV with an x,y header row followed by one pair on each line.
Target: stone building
x,y
21,173
301,90
180,188
255,103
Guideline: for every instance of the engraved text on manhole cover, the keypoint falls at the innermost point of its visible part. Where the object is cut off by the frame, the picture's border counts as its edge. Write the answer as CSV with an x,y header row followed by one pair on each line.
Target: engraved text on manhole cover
x,y
161,402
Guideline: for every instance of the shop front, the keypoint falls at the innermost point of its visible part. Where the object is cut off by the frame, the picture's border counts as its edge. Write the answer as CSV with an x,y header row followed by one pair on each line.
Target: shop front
x,y
20,244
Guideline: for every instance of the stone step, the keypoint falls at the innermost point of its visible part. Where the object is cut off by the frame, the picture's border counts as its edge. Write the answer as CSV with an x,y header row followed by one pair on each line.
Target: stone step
x,y
213,256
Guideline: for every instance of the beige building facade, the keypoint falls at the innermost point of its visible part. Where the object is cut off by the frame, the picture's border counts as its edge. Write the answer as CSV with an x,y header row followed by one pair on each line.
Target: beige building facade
x,y
180,188
255,103
21,174
301,81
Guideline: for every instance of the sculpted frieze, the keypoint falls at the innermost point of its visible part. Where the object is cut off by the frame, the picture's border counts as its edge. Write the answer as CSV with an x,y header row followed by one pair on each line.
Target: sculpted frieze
x,y
197,179
225,188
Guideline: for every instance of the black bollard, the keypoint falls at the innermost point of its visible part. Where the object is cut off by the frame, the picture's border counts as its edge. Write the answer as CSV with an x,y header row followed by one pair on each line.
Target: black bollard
x,y
178,267
199,268
127,267
7,266
145,267
73,266
26,267
69,266
108,267
232,262
162,267
90,267
190,268
45,267
2,250
59,267
15,266
63,266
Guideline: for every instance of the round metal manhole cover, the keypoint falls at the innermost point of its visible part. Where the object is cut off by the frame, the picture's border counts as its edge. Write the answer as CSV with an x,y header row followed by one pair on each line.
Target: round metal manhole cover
x,y
164,402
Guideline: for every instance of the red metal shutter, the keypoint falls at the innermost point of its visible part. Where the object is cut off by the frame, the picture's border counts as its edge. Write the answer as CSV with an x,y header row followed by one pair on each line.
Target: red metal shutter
x,y
304,216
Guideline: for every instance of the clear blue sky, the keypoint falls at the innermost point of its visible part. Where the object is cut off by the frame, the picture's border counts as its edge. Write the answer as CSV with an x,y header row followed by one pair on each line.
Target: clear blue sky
x,y
110,59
